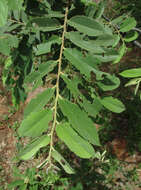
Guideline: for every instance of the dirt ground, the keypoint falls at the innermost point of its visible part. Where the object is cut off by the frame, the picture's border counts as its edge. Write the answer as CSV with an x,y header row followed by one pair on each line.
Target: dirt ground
x,y
7,139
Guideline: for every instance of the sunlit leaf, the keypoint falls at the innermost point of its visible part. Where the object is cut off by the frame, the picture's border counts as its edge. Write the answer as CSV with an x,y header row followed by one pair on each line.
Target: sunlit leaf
x,y
134,81
131,73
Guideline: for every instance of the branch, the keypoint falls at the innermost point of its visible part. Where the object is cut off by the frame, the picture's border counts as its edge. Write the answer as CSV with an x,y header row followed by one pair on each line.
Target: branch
x,y
57,87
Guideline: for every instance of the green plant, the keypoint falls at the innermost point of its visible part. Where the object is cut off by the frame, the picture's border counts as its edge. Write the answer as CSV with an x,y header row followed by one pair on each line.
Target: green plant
x,y
61,45
33,180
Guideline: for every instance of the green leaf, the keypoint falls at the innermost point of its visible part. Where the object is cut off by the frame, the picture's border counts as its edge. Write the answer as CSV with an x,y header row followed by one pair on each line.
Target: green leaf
x,y
117,39
78,60
128,24
31,149
122,51
5,74
7,42
39,102
3,12
15,4
134,81
46,47
109,55
43,69
113,104
87,25
131,73
77,39
35,124
79,121
100,9
56,14
91,108
59,158
105,40
131,36
45,24
72,84
110,82
74,142
118,20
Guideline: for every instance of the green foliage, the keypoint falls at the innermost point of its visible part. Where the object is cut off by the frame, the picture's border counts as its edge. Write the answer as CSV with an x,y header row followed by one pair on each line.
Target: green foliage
x,y
33,180
32,148
49,43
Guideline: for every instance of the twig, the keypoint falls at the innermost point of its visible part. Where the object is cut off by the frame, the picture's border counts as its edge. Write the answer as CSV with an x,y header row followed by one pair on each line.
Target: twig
x,y
57,88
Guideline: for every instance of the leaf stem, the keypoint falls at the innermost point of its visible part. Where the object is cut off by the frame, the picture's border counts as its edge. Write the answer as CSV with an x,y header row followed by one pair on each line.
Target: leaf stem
x,y
57,88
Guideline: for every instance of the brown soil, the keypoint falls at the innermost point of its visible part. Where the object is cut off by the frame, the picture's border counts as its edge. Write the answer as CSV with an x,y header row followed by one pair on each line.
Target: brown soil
x,y
7,139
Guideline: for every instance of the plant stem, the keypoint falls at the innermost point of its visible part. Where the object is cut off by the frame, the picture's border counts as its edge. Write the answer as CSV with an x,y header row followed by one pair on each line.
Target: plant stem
x,y
57,87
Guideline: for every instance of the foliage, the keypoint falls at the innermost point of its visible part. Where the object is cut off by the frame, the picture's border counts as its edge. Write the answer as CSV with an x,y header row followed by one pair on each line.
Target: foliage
x,y
62,45
31,180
